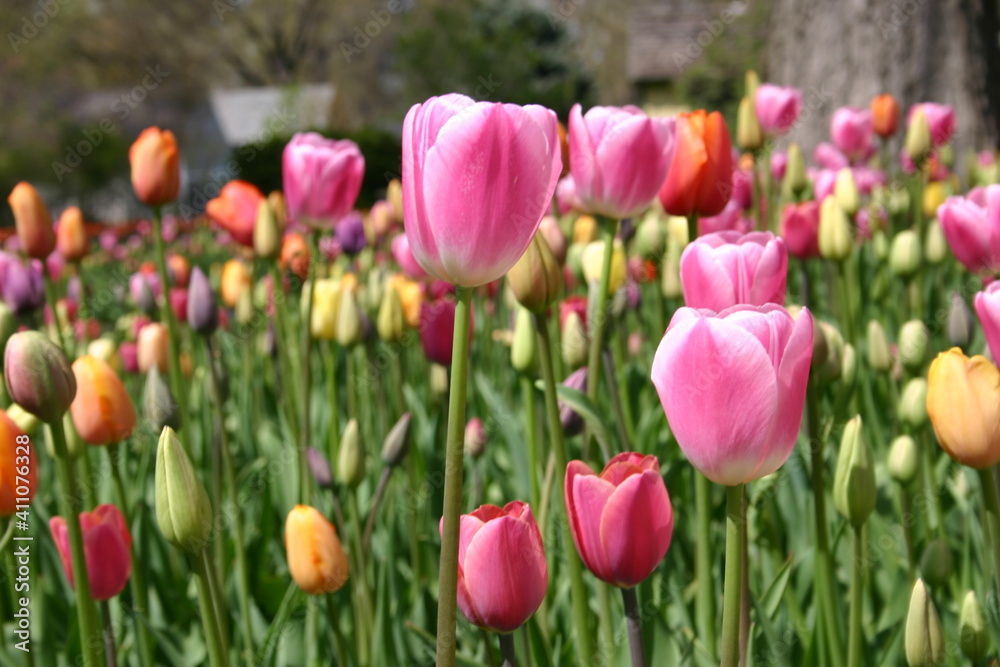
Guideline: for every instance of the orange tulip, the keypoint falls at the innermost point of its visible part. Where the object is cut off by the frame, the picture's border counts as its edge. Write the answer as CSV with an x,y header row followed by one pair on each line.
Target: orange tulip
x,y
156,173
963,402
411,294
71,237
885,114
235,210
15,458
235,278
102,411
295,255
152,347
180,270
701,174
34,223
316,558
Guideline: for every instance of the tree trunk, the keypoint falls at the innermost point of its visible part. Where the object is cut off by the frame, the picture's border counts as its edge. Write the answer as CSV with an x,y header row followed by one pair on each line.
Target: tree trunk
x,y
844,52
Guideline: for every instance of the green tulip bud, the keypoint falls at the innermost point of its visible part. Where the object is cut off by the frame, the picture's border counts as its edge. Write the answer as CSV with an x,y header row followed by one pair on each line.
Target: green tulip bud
x,y
854,488
834,362
923,639
961,324
903,459
879,354
936,563
914,341
913,403
183,510
752,82
351,458
536,279
849,365
937,244
244,308
670,281
524,349
8,325
904,253
835,240
650,237
158,405
574,342
439,381
845,191
397,441
973,635
391,320
749,136
374,287
349,329
880,245
38,376
918,137
796,180
266,232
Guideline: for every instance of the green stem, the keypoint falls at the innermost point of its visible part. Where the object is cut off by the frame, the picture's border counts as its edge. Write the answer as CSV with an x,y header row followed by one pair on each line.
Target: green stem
x,y
338,637
50,298
289,390
86,613
633,623
243,586
81,309
109,635
855,657
448,576
213,639
167,315
333,401
507,652
735,528
705,602
305,479
581,611
989,491
599,319
535,464
364,627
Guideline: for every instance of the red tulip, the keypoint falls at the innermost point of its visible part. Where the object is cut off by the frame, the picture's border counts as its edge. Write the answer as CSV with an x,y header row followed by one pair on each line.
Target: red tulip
x,y
800,229
235,210
106,545
621,520
502,573
701,174
437,328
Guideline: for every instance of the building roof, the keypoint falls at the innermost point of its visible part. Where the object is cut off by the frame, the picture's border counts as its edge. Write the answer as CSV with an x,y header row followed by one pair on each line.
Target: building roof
x,y
246,114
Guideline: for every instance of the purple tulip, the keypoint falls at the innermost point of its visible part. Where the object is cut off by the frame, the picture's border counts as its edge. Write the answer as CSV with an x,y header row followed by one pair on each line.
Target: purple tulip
x,y
23,286
350,233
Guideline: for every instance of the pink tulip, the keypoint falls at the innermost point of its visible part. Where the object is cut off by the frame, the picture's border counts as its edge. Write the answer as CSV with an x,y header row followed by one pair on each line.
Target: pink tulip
x,y
621,520
823,182
828,156
777,108
502,573
940,118
566,197
743,188
401,252
779,163
619,158
852,130
106,544
733,385
973,231
800,229
988,309
437,328
866,178
729,268
731,219
477,179
179,303
322,178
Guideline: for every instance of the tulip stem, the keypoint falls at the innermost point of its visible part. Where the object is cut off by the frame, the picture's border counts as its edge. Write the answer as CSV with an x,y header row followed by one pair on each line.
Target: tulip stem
x,y
50,297
167,315
289,387
109,635
705,602
599,320
535,464
305,480
383,484
507,652
992,504
202,570
448,576
633,623
69,500
855,657
338,637
581,611
735,528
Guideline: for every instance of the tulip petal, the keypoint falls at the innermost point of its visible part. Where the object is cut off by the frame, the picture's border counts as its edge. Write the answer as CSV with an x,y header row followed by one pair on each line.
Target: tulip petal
x,y
586,496
636,528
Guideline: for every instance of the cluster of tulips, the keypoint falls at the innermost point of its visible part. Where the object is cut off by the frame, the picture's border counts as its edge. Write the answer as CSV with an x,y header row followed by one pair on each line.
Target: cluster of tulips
x,y
420,333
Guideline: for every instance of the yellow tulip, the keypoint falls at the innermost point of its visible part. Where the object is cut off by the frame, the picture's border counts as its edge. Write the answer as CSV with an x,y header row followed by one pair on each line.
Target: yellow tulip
x,y
963,402
411,294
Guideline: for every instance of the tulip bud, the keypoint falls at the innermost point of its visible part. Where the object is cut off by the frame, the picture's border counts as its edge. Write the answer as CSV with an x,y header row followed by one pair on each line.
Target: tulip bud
x,y
937,244
244,310
8,325
923,638
834,231
394,195
102,411
397,441
914,341
202,310
158,405
152,347
574,341
524,349
796,180
34,223
593,264
391,321
351,459
23,419
537,278
904,253
749,136
144,298
961,325
913,402
918,137
584,230
903,459
183,510
845,191
936,563
834,364
879,354
71,236
316,558
854,488
880,245
38,376
849,365
438,381
349,329
155,167
670,282
973,635
572,422
320,468
475,437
